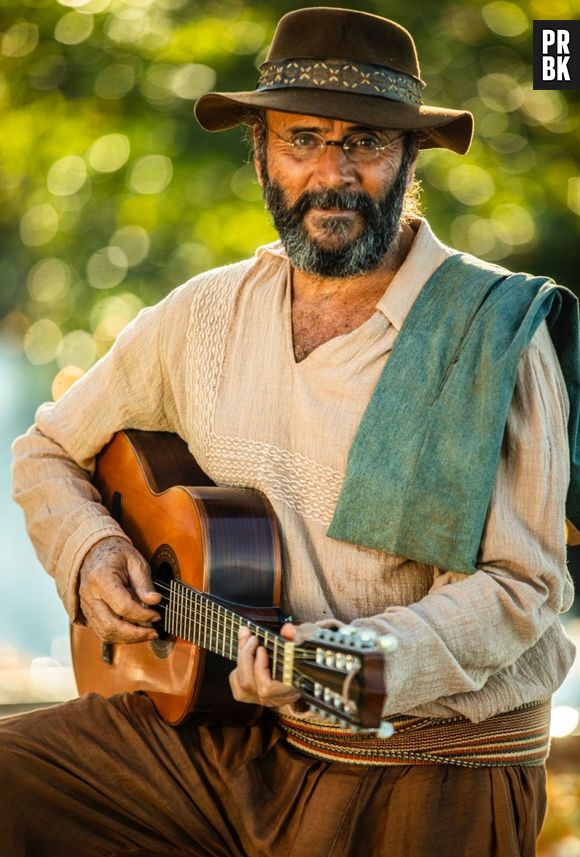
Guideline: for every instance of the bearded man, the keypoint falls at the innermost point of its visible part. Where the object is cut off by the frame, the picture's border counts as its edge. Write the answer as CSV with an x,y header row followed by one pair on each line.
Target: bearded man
x,y
411,419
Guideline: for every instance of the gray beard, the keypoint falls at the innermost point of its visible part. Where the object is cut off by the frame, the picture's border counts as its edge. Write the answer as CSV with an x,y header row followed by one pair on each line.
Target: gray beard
x,y
381,225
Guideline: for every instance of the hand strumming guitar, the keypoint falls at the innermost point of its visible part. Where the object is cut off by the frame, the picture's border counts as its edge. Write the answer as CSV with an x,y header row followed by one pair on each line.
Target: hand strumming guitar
x,y
115,587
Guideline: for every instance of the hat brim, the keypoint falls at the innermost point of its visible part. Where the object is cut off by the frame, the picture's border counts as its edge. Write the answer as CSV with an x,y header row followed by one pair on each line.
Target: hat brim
x,y
442,128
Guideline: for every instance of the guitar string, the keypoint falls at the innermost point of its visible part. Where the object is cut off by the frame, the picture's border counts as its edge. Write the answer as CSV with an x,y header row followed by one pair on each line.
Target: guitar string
x,y
217,641
215,638
240,621
184,611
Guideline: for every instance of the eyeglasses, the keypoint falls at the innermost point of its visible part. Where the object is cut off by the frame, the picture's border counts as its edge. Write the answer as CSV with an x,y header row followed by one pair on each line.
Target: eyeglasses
x,y
360,148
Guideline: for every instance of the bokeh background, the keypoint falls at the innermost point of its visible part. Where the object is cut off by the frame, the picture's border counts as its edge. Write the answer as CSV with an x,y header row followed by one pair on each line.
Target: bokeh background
x,y
111,195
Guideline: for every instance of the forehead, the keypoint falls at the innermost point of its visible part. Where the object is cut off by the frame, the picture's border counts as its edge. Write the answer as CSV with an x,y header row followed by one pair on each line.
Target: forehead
x,y
278,121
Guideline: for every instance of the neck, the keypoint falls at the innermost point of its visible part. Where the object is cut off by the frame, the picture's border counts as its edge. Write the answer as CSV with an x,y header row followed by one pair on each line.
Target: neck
x,y
352,289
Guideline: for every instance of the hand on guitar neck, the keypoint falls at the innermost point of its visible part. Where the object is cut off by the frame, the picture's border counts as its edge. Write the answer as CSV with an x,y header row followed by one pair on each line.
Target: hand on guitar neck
x,y
252,681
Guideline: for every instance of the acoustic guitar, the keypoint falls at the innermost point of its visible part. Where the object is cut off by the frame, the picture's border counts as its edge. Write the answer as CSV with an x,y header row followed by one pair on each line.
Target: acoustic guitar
x,y
215,557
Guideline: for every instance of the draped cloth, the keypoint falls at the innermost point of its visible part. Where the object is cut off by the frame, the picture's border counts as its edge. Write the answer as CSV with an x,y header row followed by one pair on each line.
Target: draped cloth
x,y
422,466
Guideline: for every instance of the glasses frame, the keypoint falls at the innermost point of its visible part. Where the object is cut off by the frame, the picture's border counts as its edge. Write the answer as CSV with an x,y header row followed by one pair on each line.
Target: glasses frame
x,y
342,144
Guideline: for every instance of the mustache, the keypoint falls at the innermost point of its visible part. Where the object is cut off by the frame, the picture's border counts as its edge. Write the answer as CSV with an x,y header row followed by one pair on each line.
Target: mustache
x,y
327,199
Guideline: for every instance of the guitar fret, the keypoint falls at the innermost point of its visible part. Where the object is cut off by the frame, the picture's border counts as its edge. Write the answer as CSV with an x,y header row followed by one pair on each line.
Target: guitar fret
x,y
217,629
275,658
176,611
167,614
222,632
189,601
170,612
184,614
181,616
198,618
183,628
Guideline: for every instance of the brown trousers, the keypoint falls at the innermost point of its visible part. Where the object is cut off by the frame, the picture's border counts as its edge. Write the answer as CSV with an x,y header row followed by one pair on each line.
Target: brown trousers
x,y
101,777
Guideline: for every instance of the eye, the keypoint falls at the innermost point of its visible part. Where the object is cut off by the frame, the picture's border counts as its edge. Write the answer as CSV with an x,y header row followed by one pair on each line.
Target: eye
x,y
363,142
305,140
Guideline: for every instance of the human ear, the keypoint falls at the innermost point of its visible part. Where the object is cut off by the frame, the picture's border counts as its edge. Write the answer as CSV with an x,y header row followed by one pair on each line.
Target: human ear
x,y
258,167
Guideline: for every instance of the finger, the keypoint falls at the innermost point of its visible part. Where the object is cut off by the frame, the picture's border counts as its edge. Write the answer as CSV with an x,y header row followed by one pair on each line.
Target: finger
x,y
243,634
269,691
124,603
112,629
300,633
235,687
243,693
262,674
245,669
288,631
140,577
265,686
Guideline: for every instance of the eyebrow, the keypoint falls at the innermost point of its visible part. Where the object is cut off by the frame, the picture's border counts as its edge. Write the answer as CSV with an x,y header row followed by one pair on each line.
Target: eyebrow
x,y
353,129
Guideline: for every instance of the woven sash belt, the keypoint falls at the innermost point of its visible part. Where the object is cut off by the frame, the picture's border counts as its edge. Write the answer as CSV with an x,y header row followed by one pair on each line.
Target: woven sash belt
x,y
518,737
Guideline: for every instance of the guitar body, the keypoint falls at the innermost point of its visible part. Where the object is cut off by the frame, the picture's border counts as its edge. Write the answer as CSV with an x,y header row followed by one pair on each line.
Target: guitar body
x,y
220,541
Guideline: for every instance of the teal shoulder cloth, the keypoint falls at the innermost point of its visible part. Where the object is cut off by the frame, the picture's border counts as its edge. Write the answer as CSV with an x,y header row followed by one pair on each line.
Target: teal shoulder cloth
x,y
422,466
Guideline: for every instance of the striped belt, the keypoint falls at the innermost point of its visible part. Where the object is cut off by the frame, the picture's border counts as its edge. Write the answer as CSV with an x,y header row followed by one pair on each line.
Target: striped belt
x,y
518,737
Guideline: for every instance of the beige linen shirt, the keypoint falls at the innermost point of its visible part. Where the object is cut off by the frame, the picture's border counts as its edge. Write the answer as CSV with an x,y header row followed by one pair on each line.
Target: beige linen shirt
x,y
214,362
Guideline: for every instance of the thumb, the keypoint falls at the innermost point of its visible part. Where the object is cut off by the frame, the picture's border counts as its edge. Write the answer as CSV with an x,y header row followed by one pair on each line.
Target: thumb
x,y
140,577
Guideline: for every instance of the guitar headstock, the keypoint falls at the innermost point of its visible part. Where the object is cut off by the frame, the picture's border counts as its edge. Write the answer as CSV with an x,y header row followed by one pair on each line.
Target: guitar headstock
x,y
342,675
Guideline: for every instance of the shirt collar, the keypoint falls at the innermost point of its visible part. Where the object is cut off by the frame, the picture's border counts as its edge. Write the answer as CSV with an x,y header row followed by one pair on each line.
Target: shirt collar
x,y
423,259
425,256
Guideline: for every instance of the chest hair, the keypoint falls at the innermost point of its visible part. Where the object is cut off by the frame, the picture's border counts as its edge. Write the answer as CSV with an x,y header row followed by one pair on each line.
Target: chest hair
x,y
315,322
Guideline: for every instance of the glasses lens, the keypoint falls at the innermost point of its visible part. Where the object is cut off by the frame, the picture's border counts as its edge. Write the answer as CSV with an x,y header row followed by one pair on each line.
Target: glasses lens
x,y
307,144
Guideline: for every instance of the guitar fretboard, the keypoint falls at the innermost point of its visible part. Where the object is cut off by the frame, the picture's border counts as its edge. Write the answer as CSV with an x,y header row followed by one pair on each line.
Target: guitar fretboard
x,y
196,617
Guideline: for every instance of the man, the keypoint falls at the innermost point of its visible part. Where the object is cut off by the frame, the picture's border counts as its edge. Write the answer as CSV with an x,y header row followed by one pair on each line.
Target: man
x,y
272,370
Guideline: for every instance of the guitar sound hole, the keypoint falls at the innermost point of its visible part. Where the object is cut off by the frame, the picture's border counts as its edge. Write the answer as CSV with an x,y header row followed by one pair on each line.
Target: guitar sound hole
x,y
164,569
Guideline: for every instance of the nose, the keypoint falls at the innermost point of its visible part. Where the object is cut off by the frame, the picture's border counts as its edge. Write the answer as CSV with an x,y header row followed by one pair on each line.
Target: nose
x,y
333,169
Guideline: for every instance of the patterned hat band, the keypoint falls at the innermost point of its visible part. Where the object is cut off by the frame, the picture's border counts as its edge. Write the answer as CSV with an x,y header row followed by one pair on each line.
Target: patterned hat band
x,y
341,76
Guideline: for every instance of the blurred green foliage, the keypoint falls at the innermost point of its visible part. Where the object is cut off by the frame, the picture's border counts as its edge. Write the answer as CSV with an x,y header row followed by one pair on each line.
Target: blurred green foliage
x,y
111,195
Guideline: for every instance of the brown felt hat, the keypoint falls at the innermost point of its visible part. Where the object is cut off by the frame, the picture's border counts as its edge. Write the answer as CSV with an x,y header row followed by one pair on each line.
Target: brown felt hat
x,y
346,65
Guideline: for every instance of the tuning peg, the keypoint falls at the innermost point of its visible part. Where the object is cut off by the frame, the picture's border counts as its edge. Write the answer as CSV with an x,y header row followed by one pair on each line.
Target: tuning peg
x,y
329,658
351,663
388,643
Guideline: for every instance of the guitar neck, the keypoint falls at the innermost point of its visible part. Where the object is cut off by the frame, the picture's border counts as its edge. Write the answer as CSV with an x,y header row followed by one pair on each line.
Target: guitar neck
x,y
200,619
